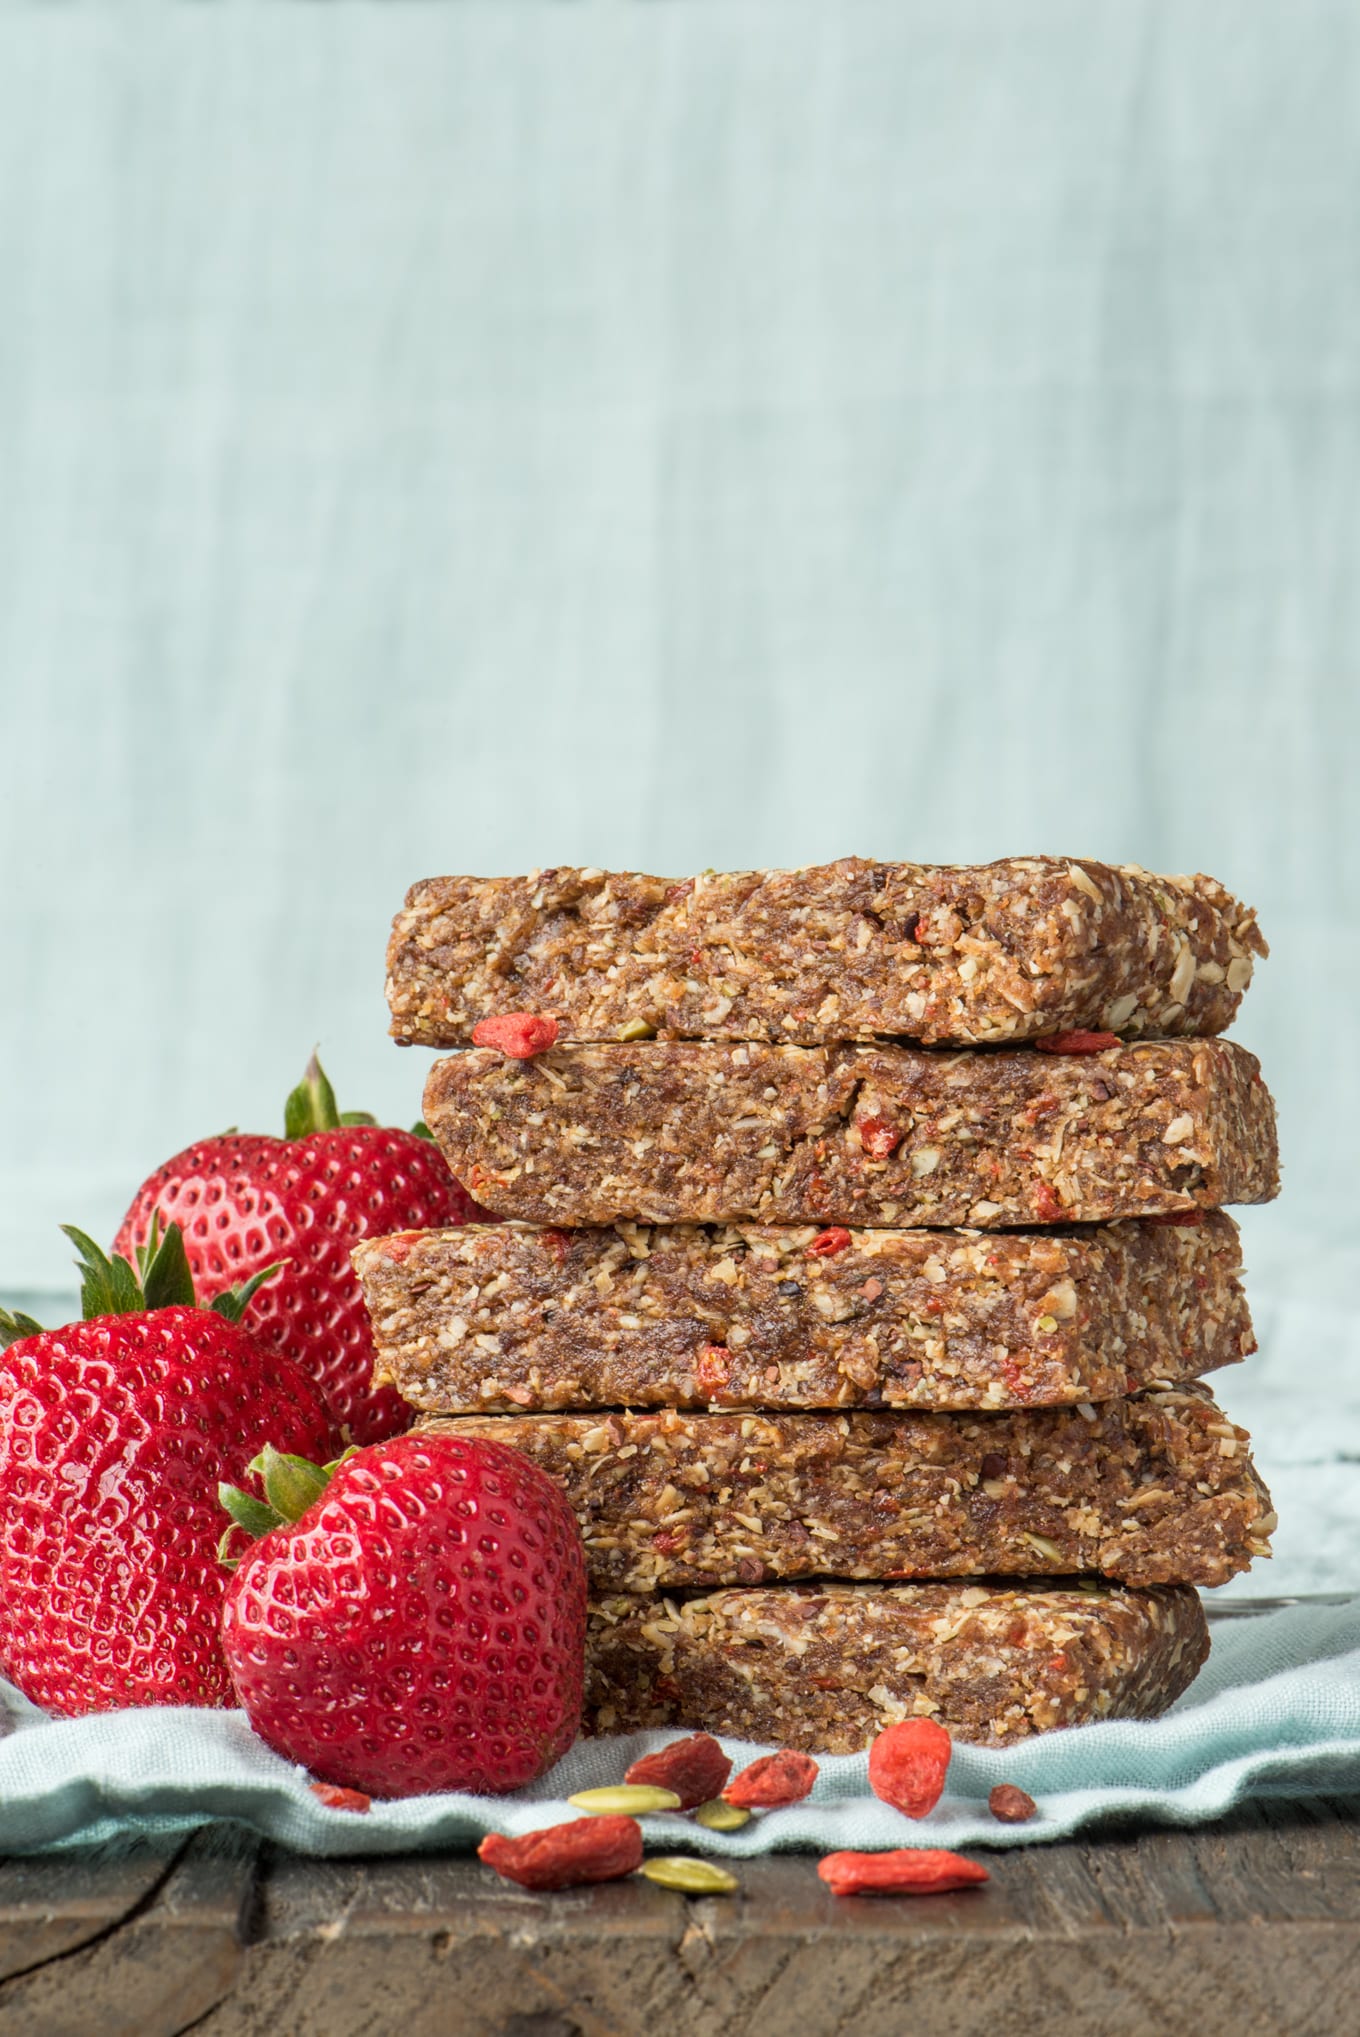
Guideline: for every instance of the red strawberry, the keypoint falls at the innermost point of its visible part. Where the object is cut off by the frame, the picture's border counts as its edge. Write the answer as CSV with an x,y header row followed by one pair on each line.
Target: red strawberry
x,y
244,1200
116,1432
418,1626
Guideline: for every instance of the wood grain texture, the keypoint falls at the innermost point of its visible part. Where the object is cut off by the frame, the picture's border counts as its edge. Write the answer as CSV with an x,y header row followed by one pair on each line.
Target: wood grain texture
x,y
1250,1927
157,1968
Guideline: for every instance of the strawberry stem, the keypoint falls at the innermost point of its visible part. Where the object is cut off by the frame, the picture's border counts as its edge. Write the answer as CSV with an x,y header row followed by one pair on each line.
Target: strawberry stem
x,y
15,1324
114,1286
312,1106
291,1485
232,1302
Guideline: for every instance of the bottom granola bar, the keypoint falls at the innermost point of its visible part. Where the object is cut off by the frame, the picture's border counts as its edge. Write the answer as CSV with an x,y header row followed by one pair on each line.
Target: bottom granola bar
x,y
825,1667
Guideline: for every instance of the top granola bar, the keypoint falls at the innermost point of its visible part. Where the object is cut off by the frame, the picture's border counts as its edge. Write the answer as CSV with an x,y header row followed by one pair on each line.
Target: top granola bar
x,y
852,950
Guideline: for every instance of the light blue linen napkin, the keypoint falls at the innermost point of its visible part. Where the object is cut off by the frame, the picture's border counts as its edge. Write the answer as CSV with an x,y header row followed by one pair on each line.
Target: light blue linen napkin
x,y
1275,1712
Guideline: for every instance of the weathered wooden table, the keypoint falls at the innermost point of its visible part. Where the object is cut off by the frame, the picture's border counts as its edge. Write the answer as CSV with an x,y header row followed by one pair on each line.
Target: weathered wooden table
x,y
1248,1927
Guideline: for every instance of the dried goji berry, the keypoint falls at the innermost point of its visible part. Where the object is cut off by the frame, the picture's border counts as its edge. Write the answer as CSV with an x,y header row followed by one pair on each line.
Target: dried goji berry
x,y
908,1763
908,1872
1020,1384
557,1242
1077,1041
827,1244
695,1769
1046,1204
337,1799
564,1856
520,1034
712,1369
775,1779
878,1137
1011,1805
668,1540
1178,1217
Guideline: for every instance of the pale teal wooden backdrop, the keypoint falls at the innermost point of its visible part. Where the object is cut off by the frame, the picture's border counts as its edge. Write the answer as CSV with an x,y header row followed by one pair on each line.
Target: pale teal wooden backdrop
x,y
460,436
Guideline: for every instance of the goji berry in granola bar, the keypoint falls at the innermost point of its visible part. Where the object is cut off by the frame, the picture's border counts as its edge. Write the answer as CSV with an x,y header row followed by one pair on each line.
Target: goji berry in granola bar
x,y
695,1769
1078,1041
907,1872
1012,1805
1046,1204
773,1780
712,1369
827,1244
878,1137
908,1763
566,1856
518,1034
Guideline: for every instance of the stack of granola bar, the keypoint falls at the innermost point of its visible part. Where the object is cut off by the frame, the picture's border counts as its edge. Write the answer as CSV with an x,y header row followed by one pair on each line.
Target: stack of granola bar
x,y
864,1255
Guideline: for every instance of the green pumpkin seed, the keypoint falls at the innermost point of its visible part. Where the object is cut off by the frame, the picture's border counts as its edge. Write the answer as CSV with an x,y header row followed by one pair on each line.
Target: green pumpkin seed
x,y
626,1800
691,1877
721,1817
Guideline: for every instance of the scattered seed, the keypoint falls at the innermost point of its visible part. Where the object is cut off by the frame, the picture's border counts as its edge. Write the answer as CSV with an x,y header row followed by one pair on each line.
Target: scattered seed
x,y
691,1877
721,1817
624,1800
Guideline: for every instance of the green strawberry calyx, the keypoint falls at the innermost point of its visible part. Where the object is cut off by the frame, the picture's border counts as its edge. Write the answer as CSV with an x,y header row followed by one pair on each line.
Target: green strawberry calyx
x,y
160,1278
312,1107
291,1485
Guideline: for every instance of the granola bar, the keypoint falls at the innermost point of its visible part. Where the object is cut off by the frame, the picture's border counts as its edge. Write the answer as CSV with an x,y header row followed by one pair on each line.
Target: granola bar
x,y
510,1316
826,1667
698,1133
847,950
1153,1490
